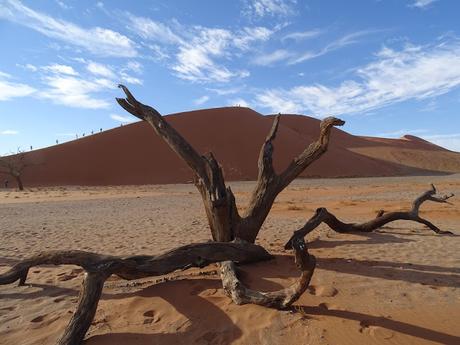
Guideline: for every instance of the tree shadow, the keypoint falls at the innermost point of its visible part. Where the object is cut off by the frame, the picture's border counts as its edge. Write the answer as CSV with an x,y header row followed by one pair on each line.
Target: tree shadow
x,y
370,320
205,322
375,237
46,291
412,273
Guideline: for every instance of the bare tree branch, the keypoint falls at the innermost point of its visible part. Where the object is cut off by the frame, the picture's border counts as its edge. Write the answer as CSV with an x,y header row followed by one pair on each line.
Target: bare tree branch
x,y
280,299
99,267
322,215
177,143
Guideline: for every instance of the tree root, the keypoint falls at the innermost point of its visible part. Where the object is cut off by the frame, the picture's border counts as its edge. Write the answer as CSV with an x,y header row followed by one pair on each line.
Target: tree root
x,y
322,215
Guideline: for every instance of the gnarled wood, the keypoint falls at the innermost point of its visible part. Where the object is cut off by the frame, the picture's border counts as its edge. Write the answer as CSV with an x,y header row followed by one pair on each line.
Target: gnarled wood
x,y
99,267
322,215
280,299
219,202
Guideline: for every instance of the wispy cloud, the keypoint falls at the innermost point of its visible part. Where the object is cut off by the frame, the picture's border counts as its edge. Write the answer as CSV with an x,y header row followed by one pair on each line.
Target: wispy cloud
x,y
122,118
63,5
98,41
292,57
9,132
414,72
201,100
197,53
76,92
339,43
10,89
421,3
271,58
302,35
100,70
57,68
269,8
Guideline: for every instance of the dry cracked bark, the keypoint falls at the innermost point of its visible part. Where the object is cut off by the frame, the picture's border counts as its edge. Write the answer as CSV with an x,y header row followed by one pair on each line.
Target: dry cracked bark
x,y
322,215
224,219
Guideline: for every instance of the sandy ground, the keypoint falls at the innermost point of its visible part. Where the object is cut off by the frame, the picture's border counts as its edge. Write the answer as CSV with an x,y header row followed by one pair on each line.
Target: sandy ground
x,y
399,285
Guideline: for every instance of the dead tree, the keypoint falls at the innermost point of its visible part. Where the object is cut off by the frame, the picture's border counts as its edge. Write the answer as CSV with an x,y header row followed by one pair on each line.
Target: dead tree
x,y
233,234
322,215
13,166
224,219
100,267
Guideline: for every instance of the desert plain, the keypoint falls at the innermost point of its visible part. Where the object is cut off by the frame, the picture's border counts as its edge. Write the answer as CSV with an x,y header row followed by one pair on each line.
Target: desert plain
x,y
397,285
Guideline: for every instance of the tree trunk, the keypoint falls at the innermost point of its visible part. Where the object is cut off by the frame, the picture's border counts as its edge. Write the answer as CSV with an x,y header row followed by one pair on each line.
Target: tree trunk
x,y
19,182
219,202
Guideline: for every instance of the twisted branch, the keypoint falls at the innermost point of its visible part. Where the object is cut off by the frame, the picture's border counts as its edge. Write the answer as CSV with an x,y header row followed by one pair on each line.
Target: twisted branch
x,y
99,267
322,215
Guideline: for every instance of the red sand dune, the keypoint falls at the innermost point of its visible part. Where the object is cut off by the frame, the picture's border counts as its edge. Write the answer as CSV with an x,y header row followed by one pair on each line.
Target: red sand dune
x,y
133,154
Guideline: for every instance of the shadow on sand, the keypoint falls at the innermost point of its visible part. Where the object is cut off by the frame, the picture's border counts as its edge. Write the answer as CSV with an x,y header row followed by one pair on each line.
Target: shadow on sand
x,y
383,322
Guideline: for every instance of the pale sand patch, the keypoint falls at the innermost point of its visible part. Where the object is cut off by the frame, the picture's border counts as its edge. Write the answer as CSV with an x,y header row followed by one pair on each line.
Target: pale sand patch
x,y
399,285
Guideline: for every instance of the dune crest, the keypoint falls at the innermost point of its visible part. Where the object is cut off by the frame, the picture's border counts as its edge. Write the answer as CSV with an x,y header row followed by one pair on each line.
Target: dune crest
x,y
133,154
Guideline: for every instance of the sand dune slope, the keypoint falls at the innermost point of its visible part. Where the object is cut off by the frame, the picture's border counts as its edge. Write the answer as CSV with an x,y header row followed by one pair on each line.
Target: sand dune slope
x,y
133,154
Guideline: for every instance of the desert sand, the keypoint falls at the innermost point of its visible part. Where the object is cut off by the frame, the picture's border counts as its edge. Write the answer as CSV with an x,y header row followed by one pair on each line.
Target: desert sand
x,y
134,154
398,285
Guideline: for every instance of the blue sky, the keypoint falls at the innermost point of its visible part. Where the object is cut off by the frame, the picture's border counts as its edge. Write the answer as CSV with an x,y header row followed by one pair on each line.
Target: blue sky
x,y
387,67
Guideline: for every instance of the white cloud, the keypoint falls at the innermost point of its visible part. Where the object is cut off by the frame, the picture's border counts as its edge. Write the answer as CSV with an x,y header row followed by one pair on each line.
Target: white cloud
x,y
59,69
415,72
226,91
271,58
272,8
98,41
9,132
63,5
28,67
152,30
76,92
303,35
130,79
122,118
100,70
201,100
335,45
248,35
134,66
194,61
9,89
422,3
197,53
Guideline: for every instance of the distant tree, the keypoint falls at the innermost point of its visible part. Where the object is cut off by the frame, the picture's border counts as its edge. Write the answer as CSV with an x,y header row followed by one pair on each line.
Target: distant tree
x,y
14,165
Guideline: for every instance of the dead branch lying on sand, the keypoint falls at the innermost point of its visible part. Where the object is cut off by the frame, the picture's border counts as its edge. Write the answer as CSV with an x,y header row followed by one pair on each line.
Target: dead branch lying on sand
x,y
99,267
322,215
